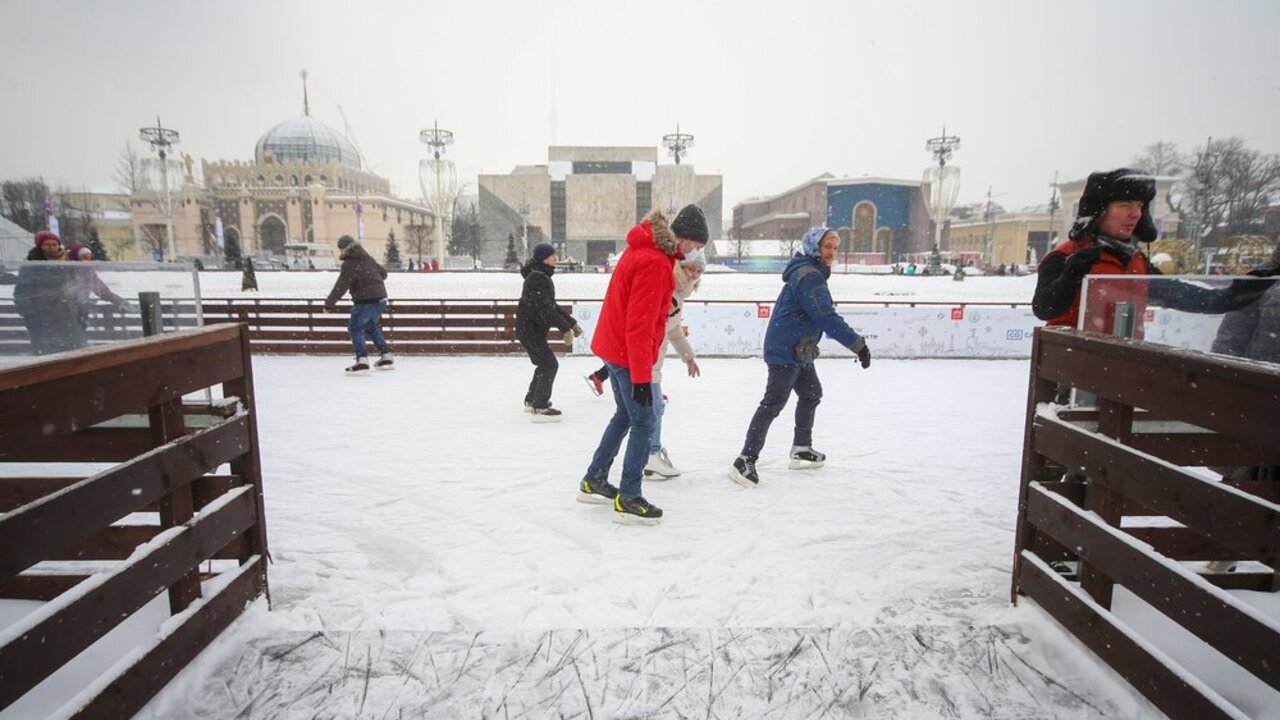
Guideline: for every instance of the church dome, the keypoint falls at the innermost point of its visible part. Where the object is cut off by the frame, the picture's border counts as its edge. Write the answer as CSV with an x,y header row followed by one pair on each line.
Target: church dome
x,y
304,140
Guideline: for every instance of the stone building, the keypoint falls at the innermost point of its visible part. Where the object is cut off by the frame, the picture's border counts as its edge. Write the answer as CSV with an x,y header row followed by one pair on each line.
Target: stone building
x,y
879,219
305,186
585,199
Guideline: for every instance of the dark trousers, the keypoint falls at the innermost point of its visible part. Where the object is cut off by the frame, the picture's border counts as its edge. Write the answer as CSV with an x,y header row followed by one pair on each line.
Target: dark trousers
x,y
544,373
801,377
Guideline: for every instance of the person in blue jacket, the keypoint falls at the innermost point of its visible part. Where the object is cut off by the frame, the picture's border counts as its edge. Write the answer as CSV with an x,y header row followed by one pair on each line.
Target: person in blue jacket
x,y
801,316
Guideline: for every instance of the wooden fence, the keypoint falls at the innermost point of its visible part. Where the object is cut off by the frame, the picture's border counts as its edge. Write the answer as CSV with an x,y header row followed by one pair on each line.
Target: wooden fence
x,y
123,404
1161,416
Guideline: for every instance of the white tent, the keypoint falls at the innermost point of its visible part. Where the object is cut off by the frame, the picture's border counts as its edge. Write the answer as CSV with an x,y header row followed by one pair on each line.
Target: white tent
x,y
15,242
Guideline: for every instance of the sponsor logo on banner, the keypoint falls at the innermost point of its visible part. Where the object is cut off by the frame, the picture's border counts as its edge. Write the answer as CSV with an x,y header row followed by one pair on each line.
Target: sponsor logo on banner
x,y
957,313
1014,335
762,311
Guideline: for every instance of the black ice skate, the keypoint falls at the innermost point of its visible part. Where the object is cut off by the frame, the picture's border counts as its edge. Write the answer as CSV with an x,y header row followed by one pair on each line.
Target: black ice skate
x,y
598,493
744,472
545,415
386,362
360,368
804,457
636,510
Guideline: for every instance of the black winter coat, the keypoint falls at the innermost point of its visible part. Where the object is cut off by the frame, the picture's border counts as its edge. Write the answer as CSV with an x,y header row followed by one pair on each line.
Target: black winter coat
x,y
538,311
360,274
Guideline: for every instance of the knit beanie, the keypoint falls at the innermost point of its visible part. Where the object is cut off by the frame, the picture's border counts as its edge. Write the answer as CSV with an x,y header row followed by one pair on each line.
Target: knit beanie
x,y
690,224
46,235
1104,188
345,242
811,243
542,251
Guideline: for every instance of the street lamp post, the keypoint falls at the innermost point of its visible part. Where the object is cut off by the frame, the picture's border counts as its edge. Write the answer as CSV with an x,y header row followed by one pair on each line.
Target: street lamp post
x,y
437,139
161,139
1054,204
941,147
677,145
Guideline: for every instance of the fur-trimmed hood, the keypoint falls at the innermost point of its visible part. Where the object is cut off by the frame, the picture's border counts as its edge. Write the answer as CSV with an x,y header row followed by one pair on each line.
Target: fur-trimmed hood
x,y
655,230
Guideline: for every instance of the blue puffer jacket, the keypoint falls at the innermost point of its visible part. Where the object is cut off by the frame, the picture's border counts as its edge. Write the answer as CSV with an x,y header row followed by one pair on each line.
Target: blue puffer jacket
x,y
804,312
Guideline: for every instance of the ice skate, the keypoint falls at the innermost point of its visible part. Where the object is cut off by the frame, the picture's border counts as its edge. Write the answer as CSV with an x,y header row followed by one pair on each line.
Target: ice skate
x,y
545,415
386,362
597,493
596,384
659,466
744,473
636,511
361,367
804,457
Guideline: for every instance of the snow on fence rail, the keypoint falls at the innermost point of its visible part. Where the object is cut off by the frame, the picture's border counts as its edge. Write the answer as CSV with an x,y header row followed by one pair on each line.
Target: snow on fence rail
x,y
487,327
76,542
1159,411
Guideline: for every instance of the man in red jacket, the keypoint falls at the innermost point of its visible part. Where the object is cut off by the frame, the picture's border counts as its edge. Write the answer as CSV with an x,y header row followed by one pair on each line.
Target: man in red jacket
x,y
631,327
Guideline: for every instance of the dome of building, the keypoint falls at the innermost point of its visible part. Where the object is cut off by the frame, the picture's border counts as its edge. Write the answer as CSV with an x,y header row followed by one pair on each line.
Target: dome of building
x,y
304,139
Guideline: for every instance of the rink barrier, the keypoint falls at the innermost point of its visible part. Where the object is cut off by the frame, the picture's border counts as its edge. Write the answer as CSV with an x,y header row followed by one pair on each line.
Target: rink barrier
x,y
76,543
1158,410
461,326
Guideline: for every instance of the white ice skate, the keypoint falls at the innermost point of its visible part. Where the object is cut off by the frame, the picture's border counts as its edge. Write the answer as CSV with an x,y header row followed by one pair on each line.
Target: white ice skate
x,y
386,362
659,466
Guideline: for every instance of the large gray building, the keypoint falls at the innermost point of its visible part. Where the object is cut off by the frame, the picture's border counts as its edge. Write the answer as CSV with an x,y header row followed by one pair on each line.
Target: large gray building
x,y
585,199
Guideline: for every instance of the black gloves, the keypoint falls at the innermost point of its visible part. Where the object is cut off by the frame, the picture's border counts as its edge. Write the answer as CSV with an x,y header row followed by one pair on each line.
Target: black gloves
x,y
642,394
864,357
1078,264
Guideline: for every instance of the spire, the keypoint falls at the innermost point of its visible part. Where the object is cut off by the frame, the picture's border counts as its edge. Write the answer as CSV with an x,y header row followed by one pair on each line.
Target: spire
x,y
306,104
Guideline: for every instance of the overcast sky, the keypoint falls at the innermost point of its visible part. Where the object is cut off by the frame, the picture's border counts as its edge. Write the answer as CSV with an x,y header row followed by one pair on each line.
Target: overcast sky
x,y
774,92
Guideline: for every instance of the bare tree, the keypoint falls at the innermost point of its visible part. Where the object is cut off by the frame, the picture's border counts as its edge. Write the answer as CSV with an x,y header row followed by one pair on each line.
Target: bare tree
x,y
128,174
417,240
1161,159
22,202
1226,187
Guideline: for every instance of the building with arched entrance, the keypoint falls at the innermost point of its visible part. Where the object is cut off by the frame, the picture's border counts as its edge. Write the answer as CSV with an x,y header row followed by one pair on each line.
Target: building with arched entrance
x,y
305,184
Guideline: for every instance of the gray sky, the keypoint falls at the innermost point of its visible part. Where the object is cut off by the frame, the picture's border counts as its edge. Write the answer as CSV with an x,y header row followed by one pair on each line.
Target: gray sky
x,y
775,92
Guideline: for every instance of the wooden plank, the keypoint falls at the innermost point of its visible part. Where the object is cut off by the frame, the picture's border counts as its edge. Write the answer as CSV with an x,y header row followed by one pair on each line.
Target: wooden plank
x,y
58,521
38,587
176,506
95,444
1245,524
316,348
1203,449
18,491
1228,625
1039,390
1204,391
249,465
49,642
93,360
1179,543
134,687
1115,420
61,403
1167,689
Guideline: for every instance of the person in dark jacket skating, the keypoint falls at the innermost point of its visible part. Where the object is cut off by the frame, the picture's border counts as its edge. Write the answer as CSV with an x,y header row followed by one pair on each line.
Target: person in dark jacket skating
x,y
363,277
535,316
46,296
802,314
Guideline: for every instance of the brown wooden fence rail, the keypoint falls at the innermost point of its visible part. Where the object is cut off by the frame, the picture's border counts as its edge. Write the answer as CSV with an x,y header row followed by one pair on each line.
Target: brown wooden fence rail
x,y
123,404
1159,411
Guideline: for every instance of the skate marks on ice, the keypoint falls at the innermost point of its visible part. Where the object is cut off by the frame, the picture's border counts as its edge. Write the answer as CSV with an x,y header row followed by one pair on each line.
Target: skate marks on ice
x,y
881,672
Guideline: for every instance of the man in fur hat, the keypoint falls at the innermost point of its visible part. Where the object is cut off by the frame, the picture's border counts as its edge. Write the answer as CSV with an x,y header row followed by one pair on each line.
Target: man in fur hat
x,y
631,327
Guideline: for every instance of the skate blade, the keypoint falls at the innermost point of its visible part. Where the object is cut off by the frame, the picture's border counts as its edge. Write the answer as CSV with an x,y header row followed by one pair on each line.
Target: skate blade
x,y
540,419
592,385
622,518
385,368
741,479
655,475
356,373
806,464
593,499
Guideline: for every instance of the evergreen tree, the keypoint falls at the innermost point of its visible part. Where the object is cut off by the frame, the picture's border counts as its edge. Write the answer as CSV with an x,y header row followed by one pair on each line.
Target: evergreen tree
x,y
249,281
512,260
95,244
392,256
231,252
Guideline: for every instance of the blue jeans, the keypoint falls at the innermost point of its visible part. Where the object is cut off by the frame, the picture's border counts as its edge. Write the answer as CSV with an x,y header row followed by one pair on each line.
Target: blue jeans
x,y
627,417
364,320
801,377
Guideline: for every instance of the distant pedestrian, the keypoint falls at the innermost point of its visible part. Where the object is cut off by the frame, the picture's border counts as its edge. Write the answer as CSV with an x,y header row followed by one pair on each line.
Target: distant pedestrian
x,y
535,316
363,277
802,314
628,333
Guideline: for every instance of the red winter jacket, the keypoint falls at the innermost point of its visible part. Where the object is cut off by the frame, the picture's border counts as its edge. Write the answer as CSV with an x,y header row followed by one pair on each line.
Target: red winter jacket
x,y
1135,292
633,320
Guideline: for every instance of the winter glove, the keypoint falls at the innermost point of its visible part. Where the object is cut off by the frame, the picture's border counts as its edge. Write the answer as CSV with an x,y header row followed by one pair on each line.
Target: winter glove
x,y
864,357
642,394
576,330
568,338
128,307
1079,263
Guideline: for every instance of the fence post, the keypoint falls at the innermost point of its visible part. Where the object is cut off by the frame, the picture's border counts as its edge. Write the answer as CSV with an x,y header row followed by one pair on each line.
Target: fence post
x,y
178,506
151,320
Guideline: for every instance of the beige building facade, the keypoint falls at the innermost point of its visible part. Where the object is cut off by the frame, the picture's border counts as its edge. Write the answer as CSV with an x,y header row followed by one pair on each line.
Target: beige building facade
x,y
585,199
1003,240
304,187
